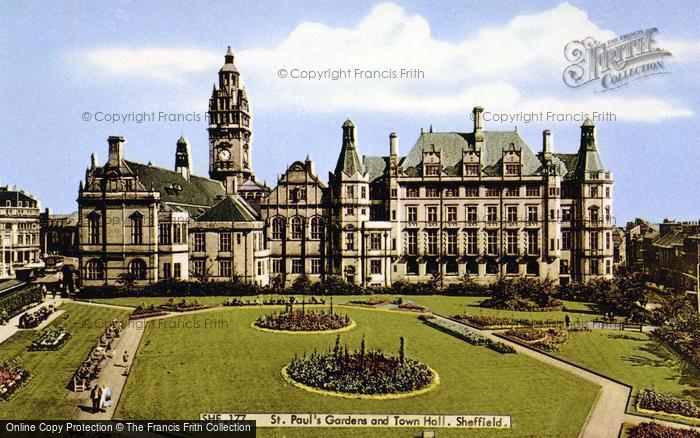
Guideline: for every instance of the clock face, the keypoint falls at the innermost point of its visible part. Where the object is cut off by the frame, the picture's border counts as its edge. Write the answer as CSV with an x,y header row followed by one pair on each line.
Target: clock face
x,y
224,155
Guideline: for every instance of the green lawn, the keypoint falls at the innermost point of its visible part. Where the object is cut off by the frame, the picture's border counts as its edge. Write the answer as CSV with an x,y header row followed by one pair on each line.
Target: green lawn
x,y
215,362
44,397
437,303
634,359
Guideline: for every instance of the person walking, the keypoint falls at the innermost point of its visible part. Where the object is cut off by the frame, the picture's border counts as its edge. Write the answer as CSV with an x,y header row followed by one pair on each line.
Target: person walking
x,y
96,396
567,320
106,398
125,358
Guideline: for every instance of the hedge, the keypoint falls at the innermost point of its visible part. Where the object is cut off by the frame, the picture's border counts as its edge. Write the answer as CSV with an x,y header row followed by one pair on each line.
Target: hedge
x,y
17,301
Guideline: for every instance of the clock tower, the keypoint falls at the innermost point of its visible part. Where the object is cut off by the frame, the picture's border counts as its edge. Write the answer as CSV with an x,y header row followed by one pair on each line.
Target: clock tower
x,y
230,129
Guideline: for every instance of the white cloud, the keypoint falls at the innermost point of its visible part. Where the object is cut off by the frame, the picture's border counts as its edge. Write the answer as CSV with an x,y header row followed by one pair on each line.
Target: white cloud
x,y
505,67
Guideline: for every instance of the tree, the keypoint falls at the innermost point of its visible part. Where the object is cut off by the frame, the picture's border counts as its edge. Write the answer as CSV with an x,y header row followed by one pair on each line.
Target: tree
x,y
127,280
204,275
302,284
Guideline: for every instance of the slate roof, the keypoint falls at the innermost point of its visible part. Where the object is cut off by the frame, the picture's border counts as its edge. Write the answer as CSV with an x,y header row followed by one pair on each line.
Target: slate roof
x,y
670,239
229,209
14,196
569,164
451,145
175,189
376,167
348,161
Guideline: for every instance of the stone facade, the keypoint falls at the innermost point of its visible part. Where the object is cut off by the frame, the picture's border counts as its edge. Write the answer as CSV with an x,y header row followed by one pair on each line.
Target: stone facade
x,y
478,203
20,248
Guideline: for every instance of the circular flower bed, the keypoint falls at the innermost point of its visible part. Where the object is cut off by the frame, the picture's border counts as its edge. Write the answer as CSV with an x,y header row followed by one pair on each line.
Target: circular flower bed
x,y
361,374
304,321
51,339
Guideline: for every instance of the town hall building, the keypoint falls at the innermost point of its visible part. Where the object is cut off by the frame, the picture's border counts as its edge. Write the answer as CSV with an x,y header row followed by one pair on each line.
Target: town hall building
x,y
479,203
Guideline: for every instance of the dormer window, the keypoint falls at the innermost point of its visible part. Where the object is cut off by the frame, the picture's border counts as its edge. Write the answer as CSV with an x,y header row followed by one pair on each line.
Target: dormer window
x,y
471,170
432,170
512,170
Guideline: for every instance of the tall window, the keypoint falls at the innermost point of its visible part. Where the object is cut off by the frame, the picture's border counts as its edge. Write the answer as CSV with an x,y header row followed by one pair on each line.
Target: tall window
x,y
491,242
471,242
363,191
593,214
563,267
164,237
532,242
491,213
566,214
431,213
137,228
199,245
93,270
451,242
225,242
511,241
432,241
94,228
316,228
177,270
593,240
166,271
566,240
411,214
349,241
412,242
277,228
297,266
297,228
198,267
350,191
451,213
277,266
225,268
375,241
471,213
137,268
512,213
315,266
375,267
608,216
593,267
532,213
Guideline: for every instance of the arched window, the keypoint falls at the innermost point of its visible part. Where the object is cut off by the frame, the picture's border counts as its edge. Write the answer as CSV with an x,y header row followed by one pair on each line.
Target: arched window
x,y
297,228
137,268
593,214
93,228
93,270
277,228
137,228
491,267
316,228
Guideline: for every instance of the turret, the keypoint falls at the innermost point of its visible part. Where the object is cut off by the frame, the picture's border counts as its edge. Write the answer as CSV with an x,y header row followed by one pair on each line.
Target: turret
x,y
183,162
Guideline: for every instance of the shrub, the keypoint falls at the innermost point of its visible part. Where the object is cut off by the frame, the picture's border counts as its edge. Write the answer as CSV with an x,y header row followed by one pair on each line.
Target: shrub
x,y
549,339
493,322
654,401
466,334
524,294
412,306
682,335
656,430
368,302
16,301
527,334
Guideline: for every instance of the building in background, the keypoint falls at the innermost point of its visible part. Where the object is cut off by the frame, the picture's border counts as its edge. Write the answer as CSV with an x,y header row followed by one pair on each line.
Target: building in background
x,y
479,203
20,250
59,233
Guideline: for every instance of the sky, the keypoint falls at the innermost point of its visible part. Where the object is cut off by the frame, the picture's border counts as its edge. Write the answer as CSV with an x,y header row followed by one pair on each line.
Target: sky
x,y
70,61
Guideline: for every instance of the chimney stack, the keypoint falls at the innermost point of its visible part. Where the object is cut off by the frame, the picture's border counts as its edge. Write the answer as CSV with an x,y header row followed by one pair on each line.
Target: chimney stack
x,y
116,145
310,165
393,144
547,144
478,117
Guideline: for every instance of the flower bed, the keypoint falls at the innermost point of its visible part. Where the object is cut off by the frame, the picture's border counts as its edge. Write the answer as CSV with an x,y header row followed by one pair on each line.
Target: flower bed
x,y
237,302
144,311
667,404
549,339
467,334
368,302
303,321
412,307
181,306
494,322
656,430
368,373
12,377
51,339
32,320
